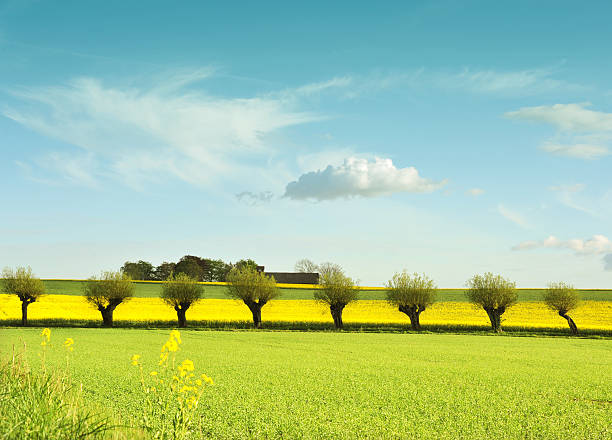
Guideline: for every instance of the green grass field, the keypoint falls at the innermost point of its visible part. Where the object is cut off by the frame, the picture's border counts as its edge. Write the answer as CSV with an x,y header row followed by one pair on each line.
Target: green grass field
x,y
63,287
351,385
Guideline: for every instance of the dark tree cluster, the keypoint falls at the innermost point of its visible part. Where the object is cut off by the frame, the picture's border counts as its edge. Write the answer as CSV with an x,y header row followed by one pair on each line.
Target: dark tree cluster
x,y
197,268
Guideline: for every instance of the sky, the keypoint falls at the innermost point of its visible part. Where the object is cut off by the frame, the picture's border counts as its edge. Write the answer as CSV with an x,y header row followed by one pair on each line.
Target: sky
x,y
444,137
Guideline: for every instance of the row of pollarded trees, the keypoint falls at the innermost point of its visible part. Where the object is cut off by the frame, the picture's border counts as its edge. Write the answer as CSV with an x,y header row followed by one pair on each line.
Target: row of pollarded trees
x,y
410,293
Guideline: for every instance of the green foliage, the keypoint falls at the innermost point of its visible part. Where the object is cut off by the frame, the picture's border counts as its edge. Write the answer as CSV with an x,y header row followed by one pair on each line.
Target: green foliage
x,y
164,271
248,263
411,295
22,283
142,270
218,270
247,284
107,292
561,297
406,290
192,266
108,289
491,291
336,288
181,290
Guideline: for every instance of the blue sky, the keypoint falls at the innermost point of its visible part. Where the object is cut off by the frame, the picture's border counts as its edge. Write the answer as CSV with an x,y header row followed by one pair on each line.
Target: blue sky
x,y
443,137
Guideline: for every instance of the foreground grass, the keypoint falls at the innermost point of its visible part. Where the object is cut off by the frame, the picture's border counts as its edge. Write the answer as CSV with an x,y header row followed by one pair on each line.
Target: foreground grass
x,y
152,290
349,385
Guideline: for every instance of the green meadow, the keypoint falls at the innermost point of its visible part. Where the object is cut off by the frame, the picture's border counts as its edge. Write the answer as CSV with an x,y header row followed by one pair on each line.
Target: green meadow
x,y
152,289
276,384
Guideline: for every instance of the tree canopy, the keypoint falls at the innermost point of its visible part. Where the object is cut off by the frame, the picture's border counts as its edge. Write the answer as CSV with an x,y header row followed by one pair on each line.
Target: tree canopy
x,y
254,288
25,285
181,292
336,290
108,291
411,294
494,294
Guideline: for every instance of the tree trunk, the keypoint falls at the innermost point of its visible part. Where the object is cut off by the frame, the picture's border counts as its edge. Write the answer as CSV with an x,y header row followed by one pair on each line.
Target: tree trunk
x,y
107,316
570,322
495,318
181,310
336,312
413,313
255,308
24,312
180,314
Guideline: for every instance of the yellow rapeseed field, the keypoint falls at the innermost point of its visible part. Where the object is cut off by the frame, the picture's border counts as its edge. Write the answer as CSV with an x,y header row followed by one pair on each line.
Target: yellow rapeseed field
x,y
590,315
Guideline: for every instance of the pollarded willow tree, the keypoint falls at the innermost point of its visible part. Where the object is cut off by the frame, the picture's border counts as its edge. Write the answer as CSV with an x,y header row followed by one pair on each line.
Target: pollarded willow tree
x,y
108,291
254,288
494,294
411,294
563,298
335,290
181,292
26,286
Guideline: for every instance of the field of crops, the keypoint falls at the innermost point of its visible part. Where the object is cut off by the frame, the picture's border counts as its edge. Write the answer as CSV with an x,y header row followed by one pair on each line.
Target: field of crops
x,y
352,385
152,289
596,315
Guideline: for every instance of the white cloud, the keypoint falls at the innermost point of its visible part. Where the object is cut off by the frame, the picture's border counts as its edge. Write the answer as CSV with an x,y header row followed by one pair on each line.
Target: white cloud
x,y
475,192
359,177
567,117
598,244
588,130
513,216
580,151
137,134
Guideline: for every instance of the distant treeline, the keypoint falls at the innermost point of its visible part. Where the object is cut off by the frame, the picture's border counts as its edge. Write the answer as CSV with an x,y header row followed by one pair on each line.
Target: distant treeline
x,y
198,268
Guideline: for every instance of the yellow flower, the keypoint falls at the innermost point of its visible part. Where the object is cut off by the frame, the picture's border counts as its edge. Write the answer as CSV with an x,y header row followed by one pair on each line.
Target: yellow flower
x,y
68,344
46,335
207,379
175,334
163,358
171,345
187,365
153,373
135,359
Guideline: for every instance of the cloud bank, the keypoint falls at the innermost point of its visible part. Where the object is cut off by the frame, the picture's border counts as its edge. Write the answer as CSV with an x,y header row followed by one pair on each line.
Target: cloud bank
x,y
359,178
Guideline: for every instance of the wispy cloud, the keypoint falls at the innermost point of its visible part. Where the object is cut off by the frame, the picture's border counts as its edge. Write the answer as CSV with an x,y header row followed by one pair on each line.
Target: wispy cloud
x,y
598,244
138,133
566,195
513,216
587,131
359,178
526,81
566,117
